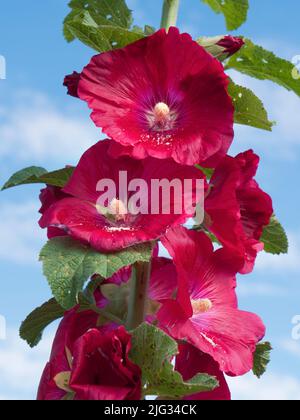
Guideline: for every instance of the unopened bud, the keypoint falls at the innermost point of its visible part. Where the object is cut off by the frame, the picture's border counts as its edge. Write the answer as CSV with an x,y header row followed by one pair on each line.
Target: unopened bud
x,y
222,47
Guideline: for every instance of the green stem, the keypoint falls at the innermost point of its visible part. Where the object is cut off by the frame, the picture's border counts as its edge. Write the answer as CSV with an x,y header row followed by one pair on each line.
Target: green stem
x,y
170,13
138,295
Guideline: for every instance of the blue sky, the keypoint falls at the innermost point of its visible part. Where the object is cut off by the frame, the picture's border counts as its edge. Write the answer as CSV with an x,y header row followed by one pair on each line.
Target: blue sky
x,y
40,125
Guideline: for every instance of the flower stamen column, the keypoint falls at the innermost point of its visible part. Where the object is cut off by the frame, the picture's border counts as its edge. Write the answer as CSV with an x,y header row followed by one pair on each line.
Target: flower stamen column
x,y
170,13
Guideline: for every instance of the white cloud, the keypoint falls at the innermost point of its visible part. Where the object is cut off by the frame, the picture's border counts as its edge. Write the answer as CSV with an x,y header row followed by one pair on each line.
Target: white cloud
x,y
271,386
22,237
21,367
292,347
286,262
33,129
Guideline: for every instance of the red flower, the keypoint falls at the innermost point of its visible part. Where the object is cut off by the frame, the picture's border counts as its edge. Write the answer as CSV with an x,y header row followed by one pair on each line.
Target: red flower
x,y
101,367
73,326
49,196
205,313
82,218
192,361
80,352
237,209
162,96
71,82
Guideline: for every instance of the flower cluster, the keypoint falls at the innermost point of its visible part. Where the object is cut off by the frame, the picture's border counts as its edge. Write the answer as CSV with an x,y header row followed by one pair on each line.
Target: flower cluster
x,y
164,105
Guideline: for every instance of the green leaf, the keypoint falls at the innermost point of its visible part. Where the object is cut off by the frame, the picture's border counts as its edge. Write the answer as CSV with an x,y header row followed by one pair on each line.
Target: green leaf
x,y
153,351
32,328
24,176
249,109
101,24
36,175
275,239
57,178
262,357
257,62
235,11
68,264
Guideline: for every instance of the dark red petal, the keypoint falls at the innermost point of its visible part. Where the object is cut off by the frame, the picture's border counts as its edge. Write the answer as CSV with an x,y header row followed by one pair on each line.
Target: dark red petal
x,y
238,209
71,82
102,369
192,361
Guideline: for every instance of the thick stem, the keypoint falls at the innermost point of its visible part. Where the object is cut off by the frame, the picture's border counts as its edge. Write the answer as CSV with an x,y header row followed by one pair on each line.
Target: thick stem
x,y
170,13
138,295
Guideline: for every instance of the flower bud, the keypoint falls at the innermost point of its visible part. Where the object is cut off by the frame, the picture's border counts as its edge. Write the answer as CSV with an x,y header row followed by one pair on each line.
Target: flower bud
x,y
222,47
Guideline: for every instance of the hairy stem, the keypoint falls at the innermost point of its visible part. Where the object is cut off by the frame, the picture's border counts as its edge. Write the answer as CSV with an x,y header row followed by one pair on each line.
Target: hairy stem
x,y
170,13
138,295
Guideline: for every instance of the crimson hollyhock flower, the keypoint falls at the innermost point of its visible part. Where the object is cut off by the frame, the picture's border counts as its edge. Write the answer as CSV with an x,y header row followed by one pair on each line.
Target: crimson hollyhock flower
x,y
237,209
82,355
205,313
118,226
73,326
101,368
163,96
191,361
72,352
71,82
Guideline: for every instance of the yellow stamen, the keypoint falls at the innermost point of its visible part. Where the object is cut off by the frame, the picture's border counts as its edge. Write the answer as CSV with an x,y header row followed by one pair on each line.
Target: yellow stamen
x,y
161,112
118,209
200,306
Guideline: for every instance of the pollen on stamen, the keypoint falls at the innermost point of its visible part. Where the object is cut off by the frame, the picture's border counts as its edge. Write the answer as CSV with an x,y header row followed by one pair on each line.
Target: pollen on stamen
x,y
161,112
118,209
201,306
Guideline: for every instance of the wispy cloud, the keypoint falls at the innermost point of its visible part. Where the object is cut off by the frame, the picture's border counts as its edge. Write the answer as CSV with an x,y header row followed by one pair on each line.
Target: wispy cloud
x,y
272,386
286,262
33,129
291,346
22,237
21,367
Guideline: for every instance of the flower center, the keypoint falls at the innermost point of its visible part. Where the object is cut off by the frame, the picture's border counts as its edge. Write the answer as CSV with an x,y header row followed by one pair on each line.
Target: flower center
x,y
118,209
201,305
161,113
161,117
